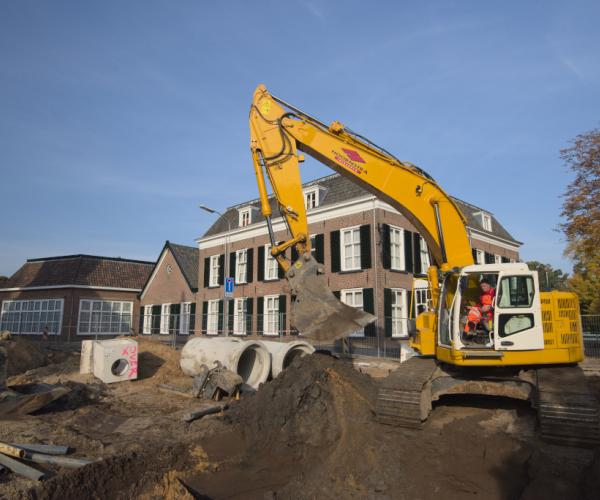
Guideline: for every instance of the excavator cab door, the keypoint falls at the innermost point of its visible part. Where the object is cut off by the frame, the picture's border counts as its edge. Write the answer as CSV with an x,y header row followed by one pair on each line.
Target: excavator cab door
x,y
517,313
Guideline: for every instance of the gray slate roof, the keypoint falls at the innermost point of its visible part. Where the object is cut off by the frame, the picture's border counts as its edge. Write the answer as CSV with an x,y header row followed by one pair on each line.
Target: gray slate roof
x,y
188,260
339,189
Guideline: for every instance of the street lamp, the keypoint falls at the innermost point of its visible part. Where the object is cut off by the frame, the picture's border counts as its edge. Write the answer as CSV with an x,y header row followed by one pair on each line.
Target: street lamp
x,y
225,257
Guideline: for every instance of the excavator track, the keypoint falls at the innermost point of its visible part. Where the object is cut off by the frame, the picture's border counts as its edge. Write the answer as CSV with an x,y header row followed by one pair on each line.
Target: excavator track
x,y
568,413
400,399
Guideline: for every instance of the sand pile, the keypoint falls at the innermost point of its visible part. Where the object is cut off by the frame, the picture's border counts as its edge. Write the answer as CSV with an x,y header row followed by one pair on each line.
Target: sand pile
x,y
24,355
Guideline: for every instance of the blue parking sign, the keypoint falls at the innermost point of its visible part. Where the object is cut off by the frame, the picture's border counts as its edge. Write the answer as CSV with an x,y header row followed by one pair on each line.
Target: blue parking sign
x,y
228,287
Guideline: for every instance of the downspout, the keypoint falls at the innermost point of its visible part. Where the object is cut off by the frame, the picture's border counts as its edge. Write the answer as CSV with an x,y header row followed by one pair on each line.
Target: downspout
x,y
376,280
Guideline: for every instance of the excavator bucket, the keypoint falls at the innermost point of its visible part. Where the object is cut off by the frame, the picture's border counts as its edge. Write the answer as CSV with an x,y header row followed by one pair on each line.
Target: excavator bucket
x,y
316,313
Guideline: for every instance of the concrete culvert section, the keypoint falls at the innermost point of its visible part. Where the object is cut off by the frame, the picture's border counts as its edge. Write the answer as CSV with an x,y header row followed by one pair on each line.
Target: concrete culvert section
x,y
284,353
249,359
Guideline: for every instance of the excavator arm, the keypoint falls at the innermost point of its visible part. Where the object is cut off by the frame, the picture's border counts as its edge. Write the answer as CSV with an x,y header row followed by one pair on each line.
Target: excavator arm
x,y
278,132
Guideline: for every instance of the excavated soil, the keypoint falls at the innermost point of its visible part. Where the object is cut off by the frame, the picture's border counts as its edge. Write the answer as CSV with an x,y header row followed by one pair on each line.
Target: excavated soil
x,y
310,433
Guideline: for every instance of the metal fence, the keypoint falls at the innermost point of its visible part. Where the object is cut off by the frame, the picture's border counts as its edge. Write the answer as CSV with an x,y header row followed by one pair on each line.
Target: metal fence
x,y
590,325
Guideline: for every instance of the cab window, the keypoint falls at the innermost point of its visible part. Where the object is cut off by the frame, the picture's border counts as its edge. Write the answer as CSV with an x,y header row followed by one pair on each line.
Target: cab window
x,y
515,291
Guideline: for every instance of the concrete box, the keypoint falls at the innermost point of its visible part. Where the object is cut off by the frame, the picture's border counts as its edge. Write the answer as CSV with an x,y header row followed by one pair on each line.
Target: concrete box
x,y
115,360
87,356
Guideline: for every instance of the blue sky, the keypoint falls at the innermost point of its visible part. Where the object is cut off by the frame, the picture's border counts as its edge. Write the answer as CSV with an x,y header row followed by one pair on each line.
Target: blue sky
x,y
118,118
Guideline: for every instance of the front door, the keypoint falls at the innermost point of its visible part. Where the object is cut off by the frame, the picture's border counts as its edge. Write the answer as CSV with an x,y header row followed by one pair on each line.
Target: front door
x,y
517,314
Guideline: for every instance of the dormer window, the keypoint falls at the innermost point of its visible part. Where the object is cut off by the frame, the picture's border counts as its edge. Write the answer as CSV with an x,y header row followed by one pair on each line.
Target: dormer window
x,y
311,198
245,217
486,221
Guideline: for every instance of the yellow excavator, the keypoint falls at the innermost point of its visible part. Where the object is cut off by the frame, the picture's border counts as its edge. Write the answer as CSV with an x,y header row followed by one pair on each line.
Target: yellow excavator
x,y
529,344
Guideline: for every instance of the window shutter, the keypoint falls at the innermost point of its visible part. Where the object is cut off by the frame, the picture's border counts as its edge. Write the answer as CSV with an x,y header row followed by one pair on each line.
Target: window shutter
x,y
206,271
505,260
369,306
334,239
320,248
294,254
260,307
261,264
230,312
232,258
417,252
280,271
193,317
282,314
204,316
249,265
474,252
408,251
337,294
249,307
365,246
221,269
386,253
489,258
387,311
220,319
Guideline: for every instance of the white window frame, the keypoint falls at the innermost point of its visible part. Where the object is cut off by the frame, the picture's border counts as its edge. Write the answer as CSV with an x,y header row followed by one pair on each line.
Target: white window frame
x,y
212,317
271,265
245,217
185,314
311,198
271,322
355,264
147,320
399,307
165,316
479,256
397,257
239,315
17,314
421,295
241,266
98,309
424,252
213,277
486,221
350,296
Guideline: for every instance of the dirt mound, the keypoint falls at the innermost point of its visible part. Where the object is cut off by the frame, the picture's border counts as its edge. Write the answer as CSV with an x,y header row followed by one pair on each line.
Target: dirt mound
x,y
24,355
158,361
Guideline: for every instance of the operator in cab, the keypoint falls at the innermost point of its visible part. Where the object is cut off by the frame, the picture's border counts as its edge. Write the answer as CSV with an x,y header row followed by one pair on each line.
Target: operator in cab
x,y
486,299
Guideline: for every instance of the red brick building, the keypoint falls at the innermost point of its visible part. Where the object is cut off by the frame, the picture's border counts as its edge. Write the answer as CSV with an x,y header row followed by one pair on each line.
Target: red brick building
x,y
74,297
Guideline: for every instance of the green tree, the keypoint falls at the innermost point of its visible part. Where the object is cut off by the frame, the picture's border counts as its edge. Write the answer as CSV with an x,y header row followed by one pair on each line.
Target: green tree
x,y
550,278
581,213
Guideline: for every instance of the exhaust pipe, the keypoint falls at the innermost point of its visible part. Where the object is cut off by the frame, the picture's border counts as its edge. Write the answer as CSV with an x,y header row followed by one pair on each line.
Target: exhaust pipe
x,y
283,353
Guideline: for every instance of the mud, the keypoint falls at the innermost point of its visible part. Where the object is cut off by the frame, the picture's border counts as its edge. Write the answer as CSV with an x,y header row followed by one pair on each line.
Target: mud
x,y
310,433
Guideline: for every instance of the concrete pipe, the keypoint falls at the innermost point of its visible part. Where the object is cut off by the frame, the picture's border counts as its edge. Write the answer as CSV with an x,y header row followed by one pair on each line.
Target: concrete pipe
x,y
249,359
283,353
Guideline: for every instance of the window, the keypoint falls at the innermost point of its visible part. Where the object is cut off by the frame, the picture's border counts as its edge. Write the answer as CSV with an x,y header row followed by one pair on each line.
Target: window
x,y
212,321
350,249
165,315
397,248
516,291
241,263
107,317
424,251
498,259
271,266
213,279
239,316
32,316
184,323
147,322
354,298
486,221
479,257
245,217
311,199
271,319
399,313
422,296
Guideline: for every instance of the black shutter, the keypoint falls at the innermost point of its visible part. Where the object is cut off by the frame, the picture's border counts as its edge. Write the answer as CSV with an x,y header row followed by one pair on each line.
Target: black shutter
x,y
489,258
282,314
334,239
337,294
417,252
260,307
474,252
204,316
221,269
386,248
408,251
232,257
320,248
193,317
249,265
249,308
387,311
220,320
365,246
261,264
505,260
294,254
141,320
206,271
230,312
280,271
369,306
